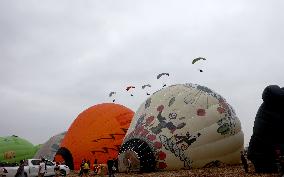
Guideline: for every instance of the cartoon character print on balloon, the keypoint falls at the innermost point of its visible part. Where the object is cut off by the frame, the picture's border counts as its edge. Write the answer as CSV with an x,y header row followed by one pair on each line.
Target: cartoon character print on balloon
x,y
9,155
164,123
176,144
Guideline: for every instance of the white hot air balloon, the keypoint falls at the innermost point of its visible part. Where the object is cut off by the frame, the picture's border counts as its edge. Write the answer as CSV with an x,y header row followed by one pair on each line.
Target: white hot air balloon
x,y
182,126
49,148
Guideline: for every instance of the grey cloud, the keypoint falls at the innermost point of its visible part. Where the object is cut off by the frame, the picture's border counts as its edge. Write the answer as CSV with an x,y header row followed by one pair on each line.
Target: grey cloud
x,y
59,58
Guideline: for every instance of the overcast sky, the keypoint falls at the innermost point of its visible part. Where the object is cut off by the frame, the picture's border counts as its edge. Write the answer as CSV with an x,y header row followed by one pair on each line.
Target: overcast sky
x,y
57,58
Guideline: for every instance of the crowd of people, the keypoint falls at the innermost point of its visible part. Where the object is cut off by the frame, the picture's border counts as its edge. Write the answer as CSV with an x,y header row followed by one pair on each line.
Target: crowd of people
x,y
112,166
98,169
41,171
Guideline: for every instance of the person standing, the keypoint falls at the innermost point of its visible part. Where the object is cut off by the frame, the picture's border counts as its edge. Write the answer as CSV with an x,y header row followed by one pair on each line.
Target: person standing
x,y
21,170
2,171
86,169
41,170
110,168
57,170
128,165
96,169
115,165
81,167
244,161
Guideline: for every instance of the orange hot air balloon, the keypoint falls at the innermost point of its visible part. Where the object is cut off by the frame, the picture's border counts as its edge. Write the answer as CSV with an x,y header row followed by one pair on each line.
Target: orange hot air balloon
x,y
97,133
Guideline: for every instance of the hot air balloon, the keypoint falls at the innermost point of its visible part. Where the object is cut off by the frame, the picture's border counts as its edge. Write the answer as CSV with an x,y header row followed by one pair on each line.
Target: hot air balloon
x,y
182,126
50,147
267,138
197,59
96,133
14,149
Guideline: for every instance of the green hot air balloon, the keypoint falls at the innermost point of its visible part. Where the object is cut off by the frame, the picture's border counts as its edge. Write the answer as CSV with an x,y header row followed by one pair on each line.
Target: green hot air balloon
x,y
14,149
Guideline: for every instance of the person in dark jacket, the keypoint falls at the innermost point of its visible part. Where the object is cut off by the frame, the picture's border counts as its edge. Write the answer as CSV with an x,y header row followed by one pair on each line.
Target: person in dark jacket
x,y
110,164
82,167
268,130
244,161
21,170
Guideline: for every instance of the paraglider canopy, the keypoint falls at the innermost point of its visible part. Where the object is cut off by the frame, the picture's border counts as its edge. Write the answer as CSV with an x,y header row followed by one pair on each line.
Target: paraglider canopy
x,y
146,85
111,93
197,59
162,74
129,87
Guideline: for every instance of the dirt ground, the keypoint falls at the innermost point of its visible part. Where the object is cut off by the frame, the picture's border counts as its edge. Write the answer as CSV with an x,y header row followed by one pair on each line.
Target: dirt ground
x,y
225,171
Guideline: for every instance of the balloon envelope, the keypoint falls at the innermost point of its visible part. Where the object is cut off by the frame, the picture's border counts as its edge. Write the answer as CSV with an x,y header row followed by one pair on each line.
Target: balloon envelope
x,y
183,126
14,149
96,133
49,148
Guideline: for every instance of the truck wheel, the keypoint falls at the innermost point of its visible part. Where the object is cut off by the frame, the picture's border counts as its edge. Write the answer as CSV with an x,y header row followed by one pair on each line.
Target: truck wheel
x,y
62,173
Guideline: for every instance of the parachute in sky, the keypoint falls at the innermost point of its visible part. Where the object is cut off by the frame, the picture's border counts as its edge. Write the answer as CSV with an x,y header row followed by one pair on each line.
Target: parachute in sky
x,y
182,126
128,88
144,86
267,140
96,133
49,148
111,94
197,59
14,149
162,74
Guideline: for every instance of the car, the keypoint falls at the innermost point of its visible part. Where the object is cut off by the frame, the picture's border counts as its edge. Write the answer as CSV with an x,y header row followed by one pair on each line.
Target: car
x,y
32,167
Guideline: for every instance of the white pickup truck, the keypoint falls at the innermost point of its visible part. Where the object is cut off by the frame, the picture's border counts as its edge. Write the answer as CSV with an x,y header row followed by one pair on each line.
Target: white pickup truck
x,y
32,167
